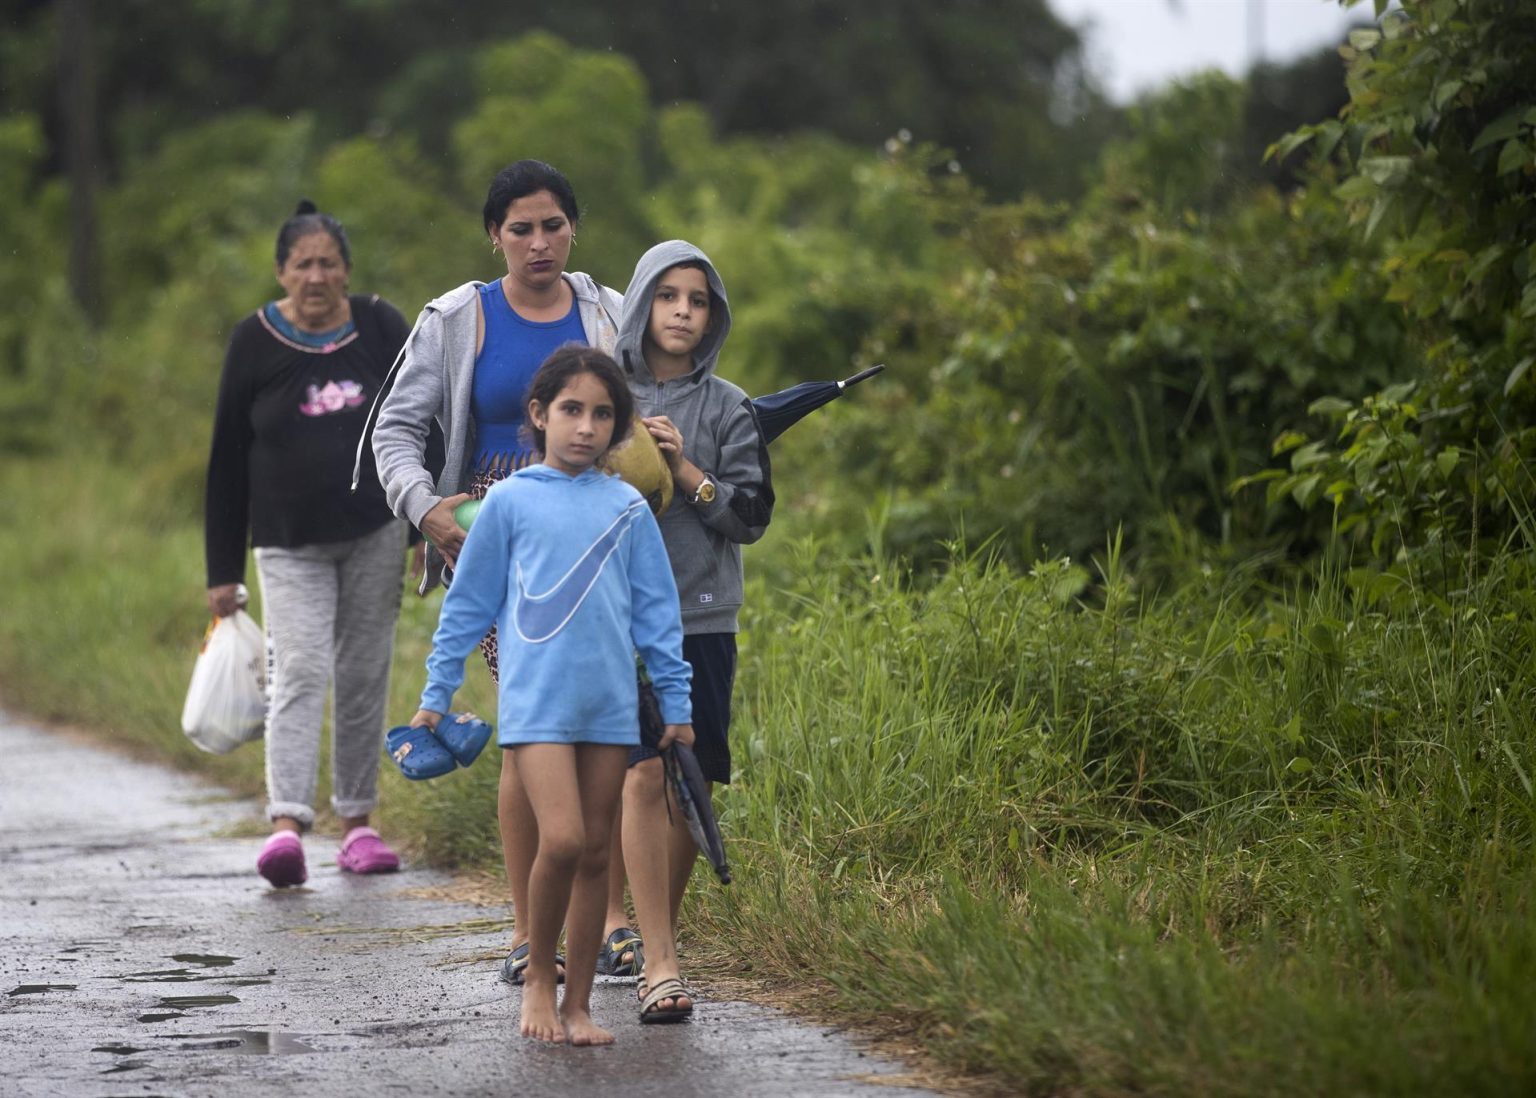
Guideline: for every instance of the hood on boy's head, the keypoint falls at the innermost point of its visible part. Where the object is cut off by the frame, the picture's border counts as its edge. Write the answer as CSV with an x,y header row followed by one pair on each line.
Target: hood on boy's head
x,y
630,351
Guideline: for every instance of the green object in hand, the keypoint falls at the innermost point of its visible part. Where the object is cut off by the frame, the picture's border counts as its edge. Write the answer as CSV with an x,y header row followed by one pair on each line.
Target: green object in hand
x,y
464,514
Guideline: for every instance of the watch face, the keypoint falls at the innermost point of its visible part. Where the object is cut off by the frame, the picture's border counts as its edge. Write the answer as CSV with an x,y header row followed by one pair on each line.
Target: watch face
x,y
706,492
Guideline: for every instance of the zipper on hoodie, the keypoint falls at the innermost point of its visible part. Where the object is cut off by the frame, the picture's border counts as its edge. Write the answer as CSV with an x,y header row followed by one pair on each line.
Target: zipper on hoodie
x,y
661,399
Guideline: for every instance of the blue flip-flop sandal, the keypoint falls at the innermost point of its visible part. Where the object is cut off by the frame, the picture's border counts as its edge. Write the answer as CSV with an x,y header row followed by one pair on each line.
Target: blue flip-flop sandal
x,y
516,964
464,735
417,752
610,956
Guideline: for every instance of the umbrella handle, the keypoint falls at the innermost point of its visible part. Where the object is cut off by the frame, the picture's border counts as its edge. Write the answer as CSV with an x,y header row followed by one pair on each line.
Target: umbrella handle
x,y
861,375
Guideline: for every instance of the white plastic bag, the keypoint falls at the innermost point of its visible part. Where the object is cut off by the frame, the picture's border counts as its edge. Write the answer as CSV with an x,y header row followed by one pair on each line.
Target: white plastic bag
x,y
227,701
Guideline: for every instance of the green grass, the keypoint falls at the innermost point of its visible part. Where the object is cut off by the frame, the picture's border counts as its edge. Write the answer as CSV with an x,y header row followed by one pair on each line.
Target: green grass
x,y
1232,838
102,623
1229,840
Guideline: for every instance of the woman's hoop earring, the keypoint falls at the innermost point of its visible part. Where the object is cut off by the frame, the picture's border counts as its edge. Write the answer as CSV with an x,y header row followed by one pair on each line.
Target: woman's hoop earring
x,y
494,246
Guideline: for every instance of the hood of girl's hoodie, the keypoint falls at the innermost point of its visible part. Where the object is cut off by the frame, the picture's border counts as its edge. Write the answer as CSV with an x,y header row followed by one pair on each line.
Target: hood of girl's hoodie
x,y
630,351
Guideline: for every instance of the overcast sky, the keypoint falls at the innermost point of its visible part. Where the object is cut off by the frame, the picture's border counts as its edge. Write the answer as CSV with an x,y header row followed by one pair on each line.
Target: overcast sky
x,y
1135,45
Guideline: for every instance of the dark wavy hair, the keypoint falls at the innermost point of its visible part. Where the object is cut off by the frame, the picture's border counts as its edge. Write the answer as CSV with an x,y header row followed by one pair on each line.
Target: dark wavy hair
x,y
307,219
522,179
556,372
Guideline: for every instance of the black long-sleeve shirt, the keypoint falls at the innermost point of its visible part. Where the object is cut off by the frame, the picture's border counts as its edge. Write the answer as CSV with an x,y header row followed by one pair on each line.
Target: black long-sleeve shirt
x,y
285,434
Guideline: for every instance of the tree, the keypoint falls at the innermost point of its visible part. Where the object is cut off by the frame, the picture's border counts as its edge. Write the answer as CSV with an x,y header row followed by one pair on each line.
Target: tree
x,y
78,113
1437,150
1000,82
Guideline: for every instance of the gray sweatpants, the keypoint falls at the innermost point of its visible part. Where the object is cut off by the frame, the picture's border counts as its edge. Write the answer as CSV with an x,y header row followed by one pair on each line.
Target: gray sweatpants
x,y
330,612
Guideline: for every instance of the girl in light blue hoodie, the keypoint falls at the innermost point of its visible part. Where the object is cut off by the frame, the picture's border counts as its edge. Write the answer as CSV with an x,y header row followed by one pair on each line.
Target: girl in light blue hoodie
x,y
569,564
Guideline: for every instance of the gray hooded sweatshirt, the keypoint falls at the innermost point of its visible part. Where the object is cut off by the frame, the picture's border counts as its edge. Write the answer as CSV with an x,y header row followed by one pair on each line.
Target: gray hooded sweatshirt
x,y
434,380
720,436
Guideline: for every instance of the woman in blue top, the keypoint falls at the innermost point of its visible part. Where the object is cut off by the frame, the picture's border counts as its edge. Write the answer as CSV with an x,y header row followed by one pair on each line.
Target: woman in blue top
x,y
568,562
468,361
467,366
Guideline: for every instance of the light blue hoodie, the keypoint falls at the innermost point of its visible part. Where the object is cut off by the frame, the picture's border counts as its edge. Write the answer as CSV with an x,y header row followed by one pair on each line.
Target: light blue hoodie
x,y
573,573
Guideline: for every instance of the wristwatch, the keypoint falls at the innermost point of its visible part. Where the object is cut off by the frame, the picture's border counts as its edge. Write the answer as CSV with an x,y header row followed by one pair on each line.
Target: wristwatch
x,y
705,492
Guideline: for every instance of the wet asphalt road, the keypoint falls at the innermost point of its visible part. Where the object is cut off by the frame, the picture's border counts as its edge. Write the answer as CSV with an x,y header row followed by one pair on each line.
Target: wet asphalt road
x,y
141,955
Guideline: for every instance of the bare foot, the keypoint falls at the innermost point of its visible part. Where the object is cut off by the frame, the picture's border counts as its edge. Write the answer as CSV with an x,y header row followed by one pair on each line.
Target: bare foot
x,y
580,1029
541,1020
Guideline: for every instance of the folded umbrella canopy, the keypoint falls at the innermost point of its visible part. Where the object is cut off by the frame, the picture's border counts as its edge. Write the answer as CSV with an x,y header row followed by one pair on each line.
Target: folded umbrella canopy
x,y
778,412
686,782
691,792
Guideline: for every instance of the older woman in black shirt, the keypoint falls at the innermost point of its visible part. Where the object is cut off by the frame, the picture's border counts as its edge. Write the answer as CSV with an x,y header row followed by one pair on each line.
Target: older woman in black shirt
x,y
298,378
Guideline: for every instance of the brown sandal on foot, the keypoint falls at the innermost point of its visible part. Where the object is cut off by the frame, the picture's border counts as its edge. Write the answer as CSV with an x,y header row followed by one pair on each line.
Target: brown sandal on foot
x,y
651,1009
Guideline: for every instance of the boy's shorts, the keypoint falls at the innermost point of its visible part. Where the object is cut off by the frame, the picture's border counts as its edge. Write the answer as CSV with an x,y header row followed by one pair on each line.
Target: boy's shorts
x,y
713,659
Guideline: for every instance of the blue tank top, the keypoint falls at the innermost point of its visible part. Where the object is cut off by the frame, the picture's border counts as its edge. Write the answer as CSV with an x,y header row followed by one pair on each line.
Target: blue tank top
x,y
513,351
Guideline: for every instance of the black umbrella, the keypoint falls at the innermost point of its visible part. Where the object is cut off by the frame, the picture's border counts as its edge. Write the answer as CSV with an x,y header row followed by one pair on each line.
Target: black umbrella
x,y
688,786
778,412
692,794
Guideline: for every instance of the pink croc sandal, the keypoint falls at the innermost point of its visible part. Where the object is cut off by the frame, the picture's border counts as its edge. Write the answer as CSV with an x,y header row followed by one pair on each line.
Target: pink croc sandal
x,y
281,861
362,851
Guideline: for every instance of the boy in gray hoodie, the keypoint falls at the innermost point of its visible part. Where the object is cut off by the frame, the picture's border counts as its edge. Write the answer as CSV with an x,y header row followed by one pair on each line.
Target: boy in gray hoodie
x,y
674,322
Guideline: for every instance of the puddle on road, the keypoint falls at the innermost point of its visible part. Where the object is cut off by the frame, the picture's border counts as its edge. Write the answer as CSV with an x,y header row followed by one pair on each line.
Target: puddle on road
x,y
85,950
162,976
39,989
210,969
126,1065
239,1042
186,976
161,1016
259,1042
182,1002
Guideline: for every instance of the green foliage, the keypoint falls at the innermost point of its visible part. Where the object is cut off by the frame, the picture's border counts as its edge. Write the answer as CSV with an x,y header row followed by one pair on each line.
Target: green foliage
x,y
38,328
818,241
1053,375
1119,367
405,235
584,111
1122,844
1438,150
193,210
1184,146
1016,713
853,239
1021,109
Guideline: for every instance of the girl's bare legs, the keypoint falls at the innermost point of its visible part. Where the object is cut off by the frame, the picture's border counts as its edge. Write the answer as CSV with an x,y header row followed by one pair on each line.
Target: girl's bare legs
x,y
551,768
519,841
651,856
600,775
574,793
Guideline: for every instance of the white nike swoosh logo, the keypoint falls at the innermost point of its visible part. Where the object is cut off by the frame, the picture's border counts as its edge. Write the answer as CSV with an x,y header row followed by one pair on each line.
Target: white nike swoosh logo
x,y
539,617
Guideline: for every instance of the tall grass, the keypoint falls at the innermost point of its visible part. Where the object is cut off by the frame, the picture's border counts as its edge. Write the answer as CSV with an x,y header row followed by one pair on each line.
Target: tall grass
x,y
101,620
1232,838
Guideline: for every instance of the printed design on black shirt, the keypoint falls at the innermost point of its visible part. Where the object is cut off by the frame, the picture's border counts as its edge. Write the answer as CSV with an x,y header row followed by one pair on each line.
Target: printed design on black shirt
x,y
336,396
